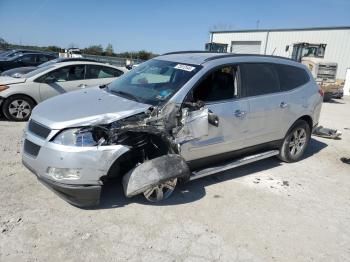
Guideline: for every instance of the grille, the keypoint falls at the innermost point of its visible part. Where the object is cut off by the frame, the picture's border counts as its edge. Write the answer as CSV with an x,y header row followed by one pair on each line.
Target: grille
x,y
31,148
38,129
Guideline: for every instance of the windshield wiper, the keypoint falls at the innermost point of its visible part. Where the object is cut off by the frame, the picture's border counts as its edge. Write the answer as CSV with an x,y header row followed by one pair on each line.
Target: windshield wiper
x,y
125,94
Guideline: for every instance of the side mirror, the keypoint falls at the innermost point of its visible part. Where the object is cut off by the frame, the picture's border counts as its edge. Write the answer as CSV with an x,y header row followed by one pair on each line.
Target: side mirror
x,y
50,79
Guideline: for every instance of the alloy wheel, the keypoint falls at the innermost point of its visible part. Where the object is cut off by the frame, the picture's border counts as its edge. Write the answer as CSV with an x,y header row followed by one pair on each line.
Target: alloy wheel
x,y
298,141
19,109
161,191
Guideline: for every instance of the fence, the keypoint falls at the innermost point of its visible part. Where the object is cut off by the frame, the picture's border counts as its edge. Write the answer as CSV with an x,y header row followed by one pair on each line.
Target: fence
x,y
118,61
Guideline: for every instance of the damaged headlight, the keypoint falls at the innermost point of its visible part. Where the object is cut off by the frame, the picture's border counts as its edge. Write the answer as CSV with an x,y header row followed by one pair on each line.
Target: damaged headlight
x,y
76,137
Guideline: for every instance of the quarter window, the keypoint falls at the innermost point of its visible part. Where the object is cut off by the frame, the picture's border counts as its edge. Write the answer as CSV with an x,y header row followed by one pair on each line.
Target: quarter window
x,y
259,79
96,71
291,77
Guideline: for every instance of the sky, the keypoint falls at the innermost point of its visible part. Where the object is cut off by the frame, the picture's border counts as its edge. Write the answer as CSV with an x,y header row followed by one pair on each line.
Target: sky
x,y
155,25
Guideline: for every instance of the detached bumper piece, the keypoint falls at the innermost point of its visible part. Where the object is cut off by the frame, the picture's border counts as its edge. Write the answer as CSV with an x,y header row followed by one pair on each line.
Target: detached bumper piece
x,y
327,132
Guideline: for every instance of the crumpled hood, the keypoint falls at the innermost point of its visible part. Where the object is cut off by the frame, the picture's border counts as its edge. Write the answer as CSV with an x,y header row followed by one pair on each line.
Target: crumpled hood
x,y
85,107
7,80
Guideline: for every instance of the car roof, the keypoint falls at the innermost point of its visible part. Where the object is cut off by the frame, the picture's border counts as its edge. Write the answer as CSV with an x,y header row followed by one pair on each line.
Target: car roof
x,y
67,63
201,57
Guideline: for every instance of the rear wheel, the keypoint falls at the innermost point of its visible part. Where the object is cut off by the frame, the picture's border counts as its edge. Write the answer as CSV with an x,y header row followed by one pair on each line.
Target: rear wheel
x,y
295,142
161,191
18,108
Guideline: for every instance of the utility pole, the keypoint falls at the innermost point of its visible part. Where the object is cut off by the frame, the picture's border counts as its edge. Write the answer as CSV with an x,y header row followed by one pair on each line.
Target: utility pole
x,y
257,24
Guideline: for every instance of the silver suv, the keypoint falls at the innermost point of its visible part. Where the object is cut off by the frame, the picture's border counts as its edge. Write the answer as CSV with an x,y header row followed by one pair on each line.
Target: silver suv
x,y
177,117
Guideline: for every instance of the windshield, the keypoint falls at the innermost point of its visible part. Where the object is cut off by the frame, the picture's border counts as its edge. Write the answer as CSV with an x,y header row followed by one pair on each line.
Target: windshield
x,y
153,82
37,71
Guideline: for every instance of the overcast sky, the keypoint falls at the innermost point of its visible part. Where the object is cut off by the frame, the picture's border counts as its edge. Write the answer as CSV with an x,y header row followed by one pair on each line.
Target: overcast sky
x,y
155,25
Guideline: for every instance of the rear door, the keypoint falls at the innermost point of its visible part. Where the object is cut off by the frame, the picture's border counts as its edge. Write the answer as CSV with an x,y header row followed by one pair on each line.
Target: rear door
x,y
62,80
220,93
266,103
100,75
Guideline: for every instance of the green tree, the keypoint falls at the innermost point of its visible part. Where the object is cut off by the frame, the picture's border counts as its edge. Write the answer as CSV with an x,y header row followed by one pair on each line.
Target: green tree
x,y
3,43
109,50
94,50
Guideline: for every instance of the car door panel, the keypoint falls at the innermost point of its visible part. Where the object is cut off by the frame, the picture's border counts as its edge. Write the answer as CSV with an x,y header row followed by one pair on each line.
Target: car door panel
x,y
228,136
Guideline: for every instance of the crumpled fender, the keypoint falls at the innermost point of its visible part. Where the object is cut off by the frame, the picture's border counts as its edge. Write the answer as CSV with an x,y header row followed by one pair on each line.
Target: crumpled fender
x,y
153,172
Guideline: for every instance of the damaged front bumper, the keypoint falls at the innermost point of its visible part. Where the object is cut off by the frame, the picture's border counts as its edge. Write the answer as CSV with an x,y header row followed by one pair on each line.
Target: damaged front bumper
x,y
89,164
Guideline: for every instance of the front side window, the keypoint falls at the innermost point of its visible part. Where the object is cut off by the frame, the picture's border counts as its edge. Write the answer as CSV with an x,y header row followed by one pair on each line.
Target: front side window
x,y
291,77
26,59
42,58
219,85
259,79
67,73
97,71
153,82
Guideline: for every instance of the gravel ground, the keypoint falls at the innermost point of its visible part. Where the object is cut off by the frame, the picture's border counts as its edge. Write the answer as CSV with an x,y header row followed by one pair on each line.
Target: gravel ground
x,y
266,211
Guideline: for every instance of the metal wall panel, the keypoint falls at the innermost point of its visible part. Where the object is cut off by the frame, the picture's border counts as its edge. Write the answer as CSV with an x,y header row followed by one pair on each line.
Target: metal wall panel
x,y
337,50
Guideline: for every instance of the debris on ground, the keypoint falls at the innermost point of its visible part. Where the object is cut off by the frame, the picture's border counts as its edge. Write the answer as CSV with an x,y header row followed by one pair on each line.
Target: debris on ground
x,y
327,132
345,160
285,183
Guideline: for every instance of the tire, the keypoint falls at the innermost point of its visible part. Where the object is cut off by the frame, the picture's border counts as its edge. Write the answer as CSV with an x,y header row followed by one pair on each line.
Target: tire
x,y
295,142
18,108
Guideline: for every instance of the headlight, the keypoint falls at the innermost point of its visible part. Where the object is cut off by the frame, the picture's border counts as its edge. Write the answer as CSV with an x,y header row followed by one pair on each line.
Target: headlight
x,y
76,137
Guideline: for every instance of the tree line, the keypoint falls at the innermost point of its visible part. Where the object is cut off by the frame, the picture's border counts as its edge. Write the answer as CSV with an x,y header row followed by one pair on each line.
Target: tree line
x,y
90,50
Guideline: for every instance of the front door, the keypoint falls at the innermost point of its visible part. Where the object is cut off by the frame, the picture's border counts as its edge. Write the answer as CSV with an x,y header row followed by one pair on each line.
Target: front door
x,y
62,80
220,93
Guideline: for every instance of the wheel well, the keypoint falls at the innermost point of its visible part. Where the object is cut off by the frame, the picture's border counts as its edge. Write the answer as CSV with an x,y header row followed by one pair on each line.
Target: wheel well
x,y
308,120
27,96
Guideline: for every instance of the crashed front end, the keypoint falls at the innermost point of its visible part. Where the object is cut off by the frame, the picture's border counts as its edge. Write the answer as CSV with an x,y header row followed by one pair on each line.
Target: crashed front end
x,y
75,162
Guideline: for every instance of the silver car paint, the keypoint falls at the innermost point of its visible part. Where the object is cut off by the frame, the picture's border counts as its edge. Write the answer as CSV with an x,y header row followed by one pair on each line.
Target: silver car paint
x,y
235,130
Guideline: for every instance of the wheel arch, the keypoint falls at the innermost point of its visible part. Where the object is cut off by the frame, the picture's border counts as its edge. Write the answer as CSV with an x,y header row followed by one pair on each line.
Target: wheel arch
x,y
306,118
21,94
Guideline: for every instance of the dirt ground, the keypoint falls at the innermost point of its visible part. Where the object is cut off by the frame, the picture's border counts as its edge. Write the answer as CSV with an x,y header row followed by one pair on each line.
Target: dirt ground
x,y
266,211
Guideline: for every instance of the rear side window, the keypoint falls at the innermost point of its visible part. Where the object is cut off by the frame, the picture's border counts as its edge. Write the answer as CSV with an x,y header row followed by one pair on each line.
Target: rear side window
x,y
291,77
96,71
259,79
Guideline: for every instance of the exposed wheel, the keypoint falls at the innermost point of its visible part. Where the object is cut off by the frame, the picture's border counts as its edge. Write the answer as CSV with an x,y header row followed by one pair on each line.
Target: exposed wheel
x,y
295,142
18,108
161,191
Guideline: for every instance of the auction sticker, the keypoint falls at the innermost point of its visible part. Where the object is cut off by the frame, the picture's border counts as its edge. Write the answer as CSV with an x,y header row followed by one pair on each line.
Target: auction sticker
x,y
185,67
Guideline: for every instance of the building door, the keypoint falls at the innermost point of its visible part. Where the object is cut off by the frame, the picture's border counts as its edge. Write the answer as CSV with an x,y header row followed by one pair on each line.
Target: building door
x,y
246,47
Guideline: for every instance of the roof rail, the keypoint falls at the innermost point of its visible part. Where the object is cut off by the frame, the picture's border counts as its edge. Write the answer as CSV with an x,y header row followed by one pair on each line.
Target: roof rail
x,y
238,55
188,52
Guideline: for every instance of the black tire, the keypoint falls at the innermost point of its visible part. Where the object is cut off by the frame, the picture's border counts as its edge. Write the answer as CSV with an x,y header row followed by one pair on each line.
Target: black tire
x,y
295,142
18,108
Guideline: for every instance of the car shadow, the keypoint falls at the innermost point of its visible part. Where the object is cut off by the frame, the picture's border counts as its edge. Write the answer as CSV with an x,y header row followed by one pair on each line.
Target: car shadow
x,y
334,101
112,195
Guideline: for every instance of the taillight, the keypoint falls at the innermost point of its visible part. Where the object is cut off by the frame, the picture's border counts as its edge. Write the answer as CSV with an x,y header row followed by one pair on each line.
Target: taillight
x,y
320,91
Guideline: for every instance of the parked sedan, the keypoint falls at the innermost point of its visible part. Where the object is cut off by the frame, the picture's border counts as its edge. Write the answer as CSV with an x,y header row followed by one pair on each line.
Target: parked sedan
x,y
19,71
18,96
30,59
15,52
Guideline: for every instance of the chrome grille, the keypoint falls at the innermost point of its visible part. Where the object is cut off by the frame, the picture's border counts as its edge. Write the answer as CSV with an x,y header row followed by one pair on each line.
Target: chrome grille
x,y
38,129
31,148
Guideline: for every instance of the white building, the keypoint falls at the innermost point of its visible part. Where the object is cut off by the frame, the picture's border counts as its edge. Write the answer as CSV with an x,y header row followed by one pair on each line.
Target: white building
x,y
274,42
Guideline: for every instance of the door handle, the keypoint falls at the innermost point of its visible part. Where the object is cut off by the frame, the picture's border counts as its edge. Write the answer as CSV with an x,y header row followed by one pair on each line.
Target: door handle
x,y
239,113
283,105
82,85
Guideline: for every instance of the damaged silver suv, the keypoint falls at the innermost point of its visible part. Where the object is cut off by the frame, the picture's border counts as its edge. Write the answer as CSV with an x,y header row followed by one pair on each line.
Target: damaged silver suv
x,y
177,117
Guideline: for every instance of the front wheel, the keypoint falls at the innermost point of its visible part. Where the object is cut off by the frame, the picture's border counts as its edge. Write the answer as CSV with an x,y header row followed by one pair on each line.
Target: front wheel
x,y
18,108
295,142
161,191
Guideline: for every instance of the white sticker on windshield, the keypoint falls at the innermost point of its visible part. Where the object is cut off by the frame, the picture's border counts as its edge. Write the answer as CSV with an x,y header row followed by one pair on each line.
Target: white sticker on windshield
x,y
185,67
